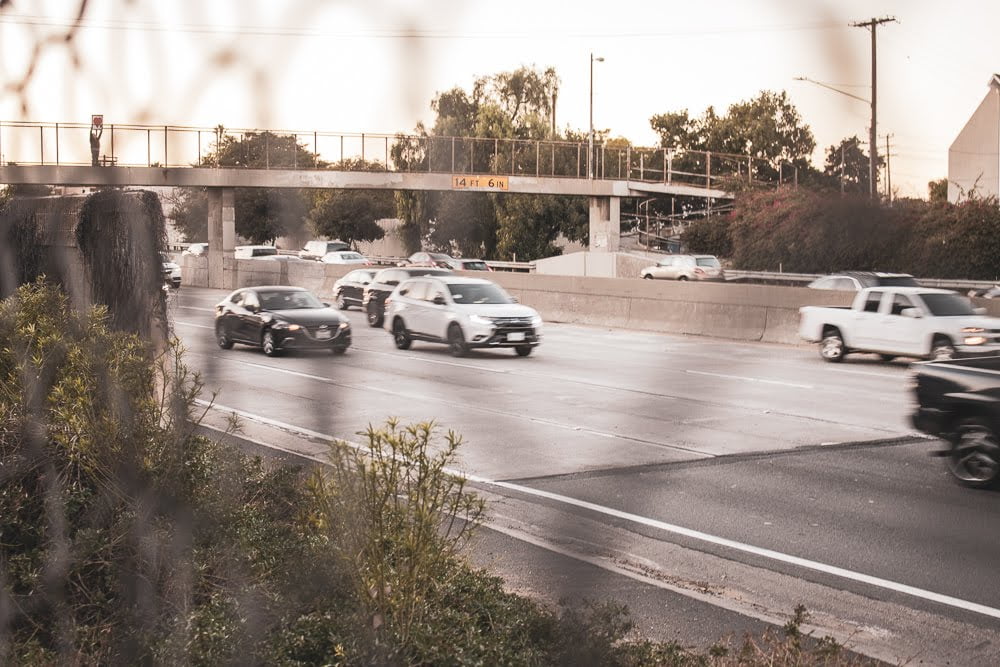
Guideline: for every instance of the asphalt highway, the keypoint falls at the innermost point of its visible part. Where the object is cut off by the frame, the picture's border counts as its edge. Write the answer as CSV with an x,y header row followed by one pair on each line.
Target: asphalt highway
x,y
762,457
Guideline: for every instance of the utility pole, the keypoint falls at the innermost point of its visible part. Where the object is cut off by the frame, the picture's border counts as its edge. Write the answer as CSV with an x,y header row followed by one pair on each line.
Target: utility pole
x,y
841,168
872,25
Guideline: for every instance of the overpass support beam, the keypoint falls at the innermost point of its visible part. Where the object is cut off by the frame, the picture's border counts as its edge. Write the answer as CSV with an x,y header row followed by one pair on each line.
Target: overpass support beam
x,y
221,236
605,224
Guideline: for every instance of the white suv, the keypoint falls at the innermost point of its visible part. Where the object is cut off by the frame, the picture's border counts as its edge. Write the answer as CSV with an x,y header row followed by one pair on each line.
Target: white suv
x,y
463,313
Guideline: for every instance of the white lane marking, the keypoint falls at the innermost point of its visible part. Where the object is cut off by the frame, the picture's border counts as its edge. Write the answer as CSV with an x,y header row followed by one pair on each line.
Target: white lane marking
x,y
192,324
749,379
770,554
414,357
885,376
480,408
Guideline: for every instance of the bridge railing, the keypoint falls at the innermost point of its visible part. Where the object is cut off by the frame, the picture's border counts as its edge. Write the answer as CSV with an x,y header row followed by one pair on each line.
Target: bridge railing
x,y
128,145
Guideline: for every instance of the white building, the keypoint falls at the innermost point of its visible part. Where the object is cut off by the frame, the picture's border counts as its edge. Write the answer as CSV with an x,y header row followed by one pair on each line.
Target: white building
x,y
974,156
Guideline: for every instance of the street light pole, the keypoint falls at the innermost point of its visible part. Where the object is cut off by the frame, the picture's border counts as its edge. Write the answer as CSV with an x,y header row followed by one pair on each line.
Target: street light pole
x,y
590,141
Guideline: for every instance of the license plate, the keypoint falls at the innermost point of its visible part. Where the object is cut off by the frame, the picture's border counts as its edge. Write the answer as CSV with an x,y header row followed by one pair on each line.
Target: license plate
x,y
323,335
515,336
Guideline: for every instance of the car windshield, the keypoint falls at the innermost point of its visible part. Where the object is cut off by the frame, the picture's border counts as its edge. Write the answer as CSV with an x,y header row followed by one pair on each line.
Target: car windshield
x,y
288,300
477,293
710,262
264,252
474,266
350,255
165,258
947,305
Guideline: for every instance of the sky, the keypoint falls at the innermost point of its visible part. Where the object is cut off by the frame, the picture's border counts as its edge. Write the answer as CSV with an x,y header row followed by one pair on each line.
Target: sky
x,y
374,66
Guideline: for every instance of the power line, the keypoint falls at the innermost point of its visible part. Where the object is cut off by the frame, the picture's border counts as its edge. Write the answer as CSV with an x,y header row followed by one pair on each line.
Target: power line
x,y
390,33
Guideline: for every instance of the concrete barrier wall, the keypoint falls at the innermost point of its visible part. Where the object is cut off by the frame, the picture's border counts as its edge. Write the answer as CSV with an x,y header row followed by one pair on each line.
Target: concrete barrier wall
x,y
735,311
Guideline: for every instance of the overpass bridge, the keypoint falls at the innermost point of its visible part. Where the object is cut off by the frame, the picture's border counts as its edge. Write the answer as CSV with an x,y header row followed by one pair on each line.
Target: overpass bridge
x,y
182,156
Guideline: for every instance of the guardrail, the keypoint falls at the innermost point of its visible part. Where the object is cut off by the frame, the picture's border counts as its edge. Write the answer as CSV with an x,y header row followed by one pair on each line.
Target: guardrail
x,y
802,279
496,265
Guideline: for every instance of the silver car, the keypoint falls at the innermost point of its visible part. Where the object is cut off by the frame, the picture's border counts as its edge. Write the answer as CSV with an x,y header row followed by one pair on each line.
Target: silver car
x,y
462,313
685,267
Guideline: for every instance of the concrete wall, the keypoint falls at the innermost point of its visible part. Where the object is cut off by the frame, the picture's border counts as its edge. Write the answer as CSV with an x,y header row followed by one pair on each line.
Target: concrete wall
x,y
721,310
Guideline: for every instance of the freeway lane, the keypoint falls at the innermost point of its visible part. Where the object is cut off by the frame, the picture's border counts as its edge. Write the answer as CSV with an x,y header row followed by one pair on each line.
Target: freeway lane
x,y
634,422
588,400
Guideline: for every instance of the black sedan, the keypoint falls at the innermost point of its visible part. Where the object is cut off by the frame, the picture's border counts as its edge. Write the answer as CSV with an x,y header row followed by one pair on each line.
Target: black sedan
x,y
278,318
350,290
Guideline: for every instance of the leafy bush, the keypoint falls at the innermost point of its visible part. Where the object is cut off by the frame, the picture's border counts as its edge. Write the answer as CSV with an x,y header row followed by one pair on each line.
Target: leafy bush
x,y
126,539
807,231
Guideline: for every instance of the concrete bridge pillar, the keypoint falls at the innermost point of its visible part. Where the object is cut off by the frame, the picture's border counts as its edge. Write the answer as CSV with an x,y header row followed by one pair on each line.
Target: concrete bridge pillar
x,y
221,235
605,224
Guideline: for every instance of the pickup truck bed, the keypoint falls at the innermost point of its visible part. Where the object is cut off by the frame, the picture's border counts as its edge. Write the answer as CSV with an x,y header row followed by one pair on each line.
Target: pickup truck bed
x,y
959,401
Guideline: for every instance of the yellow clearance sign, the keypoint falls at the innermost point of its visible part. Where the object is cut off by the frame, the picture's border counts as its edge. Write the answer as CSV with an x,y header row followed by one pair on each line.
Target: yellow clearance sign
x,y
467,182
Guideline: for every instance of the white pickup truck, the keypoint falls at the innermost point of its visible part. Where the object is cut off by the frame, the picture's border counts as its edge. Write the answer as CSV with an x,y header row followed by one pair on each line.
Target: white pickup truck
x,y
901,322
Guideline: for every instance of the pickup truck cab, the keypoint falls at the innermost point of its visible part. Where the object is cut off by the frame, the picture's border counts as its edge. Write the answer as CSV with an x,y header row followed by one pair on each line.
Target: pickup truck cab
x,y
959,402
901,322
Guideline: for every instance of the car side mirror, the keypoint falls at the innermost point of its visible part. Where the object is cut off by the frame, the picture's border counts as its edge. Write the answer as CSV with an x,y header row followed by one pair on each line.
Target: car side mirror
x,y
439,300
911,312
326,304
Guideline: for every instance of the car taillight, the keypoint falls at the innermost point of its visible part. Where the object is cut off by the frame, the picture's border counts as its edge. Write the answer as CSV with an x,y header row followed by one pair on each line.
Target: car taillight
x,y
387,302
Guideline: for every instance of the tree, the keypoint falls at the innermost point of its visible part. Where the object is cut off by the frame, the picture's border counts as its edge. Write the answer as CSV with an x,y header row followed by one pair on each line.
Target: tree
x,y
767,127
847,166
351,215
937,191
262,214
515,105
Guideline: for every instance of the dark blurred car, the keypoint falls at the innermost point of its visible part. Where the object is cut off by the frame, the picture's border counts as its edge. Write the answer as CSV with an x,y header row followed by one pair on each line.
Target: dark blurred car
x,y
461,264
438,259
350,290
277,318
852,281
384,282
171,271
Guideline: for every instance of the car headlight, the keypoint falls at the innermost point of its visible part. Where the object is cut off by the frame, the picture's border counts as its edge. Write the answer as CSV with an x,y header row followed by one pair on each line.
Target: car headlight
x,y
975,340
345,325
536,321
294,327
969,330
479,319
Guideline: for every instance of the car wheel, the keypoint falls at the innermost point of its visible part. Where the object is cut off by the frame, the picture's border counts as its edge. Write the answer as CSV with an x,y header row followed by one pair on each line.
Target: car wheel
x,y
269,345
942,349
456,341
832,348
339,350
374,315
648,276
222,336
887,357
523,350
341,301
400,335
975,454
683,278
